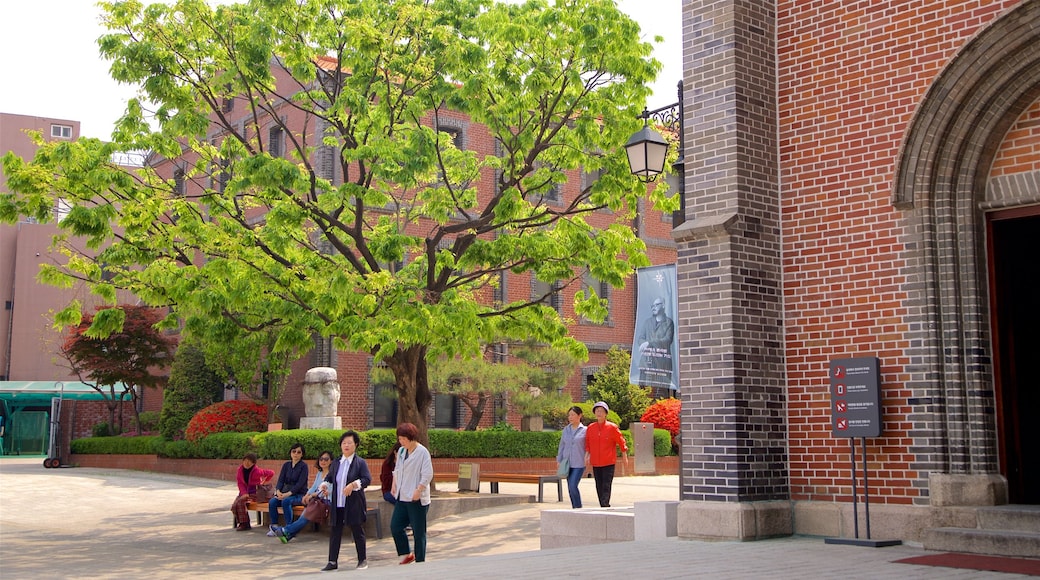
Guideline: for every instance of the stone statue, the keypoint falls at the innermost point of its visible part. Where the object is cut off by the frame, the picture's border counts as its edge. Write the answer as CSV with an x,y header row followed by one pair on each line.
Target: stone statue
x,y
321,399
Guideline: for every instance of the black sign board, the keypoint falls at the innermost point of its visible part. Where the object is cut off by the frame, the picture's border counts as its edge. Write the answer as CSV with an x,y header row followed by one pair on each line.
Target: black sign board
x,y
855,397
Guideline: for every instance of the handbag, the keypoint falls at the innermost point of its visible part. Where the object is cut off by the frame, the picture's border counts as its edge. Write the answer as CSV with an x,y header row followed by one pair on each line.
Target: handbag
x,y
564,469
264,492
317,510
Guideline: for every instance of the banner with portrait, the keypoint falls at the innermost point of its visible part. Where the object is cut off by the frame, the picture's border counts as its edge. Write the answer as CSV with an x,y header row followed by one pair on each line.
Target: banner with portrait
x,y
655,346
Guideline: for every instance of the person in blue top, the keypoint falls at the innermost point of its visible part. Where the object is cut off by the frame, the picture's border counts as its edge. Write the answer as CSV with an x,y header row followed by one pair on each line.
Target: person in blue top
x,y
291,486
289,532
572,450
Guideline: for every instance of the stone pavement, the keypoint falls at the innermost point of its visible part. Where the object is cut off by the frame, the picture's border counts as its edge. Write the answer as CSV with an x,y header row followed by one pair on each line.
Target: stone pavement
x,y
106,523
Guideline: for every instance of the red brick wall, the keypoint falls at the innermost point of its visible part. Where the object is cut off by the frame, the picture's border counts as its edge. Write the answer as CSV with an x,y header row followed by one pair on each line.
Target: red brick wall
x,y
1020,151
851,75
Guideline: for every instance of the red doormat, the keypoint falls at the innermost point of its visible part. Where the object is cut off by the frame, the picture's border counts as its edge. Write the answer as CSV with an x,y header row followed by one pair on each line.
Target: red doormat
x,y
977,562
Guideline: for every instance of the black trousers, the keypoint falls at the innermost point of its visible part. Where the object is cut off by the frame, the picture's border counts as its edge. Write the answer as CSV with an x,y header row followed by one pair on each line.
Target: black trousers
x,y
604,477
336,537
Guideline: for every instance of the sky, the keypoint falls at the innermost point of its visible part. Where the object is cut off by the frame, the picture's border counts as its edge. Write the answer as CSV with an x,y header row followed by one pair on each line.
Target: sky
x,y
52,68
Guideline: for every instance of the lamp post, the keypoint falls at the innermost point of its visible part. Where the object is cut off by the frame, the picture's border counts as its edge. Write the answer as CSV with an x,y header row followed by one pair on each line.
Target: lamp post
x,y
647,149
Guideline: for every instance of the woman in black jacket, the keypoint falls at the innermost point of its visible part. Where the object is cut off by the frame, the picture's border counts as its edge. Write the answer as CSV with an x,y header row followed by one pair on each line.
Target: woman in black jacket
x,y
290,489
348,477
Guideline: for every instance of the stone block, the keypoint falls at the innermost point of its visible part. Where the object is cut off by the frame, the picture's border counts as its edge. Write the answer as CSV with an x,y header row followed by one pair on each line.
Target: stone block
x,y
655,520
948,489
321,423
734,521
568,528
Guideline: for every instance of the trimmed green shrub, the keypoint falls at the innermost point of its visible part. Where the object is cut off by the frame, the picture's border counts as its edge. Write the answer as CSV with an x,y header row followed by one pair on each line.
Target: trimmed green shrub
x,y
143,445
374,444
226,445
182,449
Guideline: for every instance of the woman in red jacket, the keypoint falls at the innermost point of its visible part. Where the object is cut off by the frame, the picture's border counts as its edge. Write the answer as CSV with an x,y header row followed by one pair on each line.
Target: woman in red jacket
x,y
248,477
602,439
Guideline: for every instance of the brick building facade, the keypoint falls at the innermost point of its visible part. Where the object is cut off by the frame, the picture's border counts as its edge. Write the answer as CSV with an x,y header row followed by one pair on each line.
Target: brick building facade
x,y
862,180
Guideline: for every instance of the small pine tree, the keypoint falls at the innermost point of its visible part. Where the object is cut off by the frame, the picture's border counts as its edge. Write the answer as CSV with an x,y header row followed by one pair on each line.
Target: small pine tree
x,y
192,387
611,386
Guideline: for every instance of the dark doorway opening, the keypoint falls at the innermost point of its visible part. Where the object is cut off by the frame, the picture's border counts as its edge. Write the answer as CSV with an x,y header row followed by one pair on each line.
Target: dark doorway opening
x,y
1014,242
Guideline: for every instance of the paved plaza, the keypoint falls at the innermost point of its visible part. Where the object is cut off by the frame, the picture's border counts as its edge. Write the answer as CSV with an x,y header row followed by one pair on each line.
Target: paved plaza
x,y
107,523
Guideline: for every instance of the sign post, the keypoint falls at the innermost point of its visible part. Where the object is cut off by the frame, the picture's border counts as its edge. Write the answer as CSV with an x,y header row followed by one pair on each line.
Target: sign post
x,y
856,412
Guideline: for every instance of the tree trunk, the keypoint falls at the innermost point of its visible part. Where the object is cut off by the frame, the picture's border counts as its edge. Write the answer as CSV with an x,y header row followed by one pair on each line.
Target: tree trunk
x,y
413,389
477,412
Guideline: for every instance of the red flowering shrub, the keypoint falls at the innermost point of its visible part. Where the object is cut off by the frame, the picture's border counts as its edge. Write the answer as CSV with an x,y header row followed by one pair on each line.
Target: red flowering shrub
x,y
227,417
664,414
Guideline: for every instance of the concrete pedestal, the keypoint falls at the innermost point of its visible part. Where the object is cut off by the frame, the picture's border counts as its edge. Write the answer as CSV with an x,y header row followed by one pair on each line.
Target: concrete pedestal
x,y
321,423
709,520
656,520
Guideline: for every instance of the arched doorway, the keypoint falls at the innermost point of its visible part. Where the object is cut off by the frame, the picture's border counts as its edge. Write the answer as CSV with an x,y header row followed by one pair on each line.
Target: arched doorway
x,y
941,182
1014,236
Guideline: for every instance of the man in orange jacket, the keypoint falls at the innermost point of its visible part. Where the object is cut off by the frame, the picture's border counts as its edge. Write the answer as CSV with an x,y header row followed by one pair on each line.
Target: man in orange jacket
x,y
601,441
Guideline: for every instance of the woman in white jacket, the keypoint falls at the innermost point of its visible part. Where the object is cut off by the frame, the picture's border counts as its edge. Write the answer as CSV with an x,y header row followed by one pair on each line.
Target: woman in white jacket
x,y
412,477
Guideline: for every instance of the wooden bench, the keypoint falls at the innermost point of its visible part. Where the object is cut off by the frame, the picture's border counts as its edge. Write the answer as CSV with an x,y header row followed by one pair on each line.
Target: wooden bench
x,y
261,510
495,478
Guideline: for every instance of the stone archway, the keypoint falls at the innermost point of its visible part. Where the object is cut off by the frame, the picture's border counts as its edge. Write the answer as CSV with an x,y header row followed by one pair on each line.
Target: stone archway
x,y
940,180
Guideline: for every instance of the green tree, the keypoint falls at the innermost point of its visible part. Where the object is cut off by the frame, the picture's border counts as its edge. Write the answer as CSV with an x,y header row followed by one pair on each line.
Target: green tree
x,y
192,387
127,357
533,383
612,387
392,260
475,381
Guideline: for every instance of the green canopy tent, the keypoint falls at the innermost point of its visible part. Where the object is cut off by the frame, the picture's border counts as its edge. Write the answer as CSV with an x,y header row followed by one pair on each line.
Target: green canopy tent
x,y
26,410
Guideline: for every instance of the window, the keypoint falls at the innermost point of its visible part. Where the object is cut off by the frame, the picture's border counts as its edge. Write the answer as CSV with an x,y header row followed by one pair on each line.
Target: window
x,y
229,102
61,131
590,284
540,289
551,192
590,177
276,142
501,291
384,405
221,179
178,182
455,134
445,411
61,209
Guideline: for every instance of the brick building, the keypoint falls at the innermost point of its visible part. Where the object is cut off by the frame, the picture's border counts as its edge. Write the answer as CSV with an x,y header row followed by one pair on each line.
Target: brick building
x,y
31,372
863,180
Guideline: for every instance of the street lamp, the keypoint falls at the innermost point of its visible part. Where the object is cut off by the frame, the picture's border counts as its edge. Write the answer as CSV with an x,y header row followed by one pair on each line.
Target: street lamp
x,y
647,149
646,152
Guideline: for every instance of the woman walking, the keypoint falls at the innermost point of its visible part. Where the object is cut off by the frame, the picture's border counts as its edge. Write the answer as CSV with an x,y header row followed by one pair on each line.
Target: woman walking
x,y
572,451
602,438
411,488
347,479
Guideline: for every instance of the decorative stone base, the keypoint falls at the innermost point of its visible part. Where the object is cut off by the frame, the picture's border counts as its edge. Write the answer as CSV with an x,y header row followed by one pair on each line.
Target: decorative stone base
x,y
321,423
945,489
656,520
584,527
707,520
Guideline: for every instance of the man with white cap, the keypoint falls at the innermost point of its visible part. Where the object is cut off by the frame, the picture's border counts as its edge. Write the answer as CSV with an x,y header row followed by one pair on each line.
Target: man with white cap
x,y
602,439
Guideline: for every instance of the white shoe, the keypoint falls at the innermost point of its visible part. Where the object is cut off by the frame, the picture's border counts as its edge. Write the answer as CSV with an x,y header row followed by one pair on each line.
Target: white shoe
x,y
270,533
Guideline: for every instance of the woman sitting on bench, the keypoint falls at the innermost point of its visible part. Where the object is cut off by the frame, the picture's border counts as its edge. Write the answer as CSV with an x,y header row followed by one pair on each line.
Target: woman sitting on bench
x,y
248,477
289,532
292,484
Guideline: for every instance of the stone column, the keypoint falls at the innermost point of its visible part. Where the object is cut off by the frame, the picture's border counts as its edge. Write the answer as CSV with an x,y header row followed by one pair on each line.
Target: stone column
x,y
733,456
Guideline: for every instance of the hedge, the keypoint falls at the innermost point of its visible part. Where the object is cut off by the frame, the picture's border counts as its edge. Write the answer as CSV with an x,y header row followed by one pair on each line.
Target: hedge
x,y
375,443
